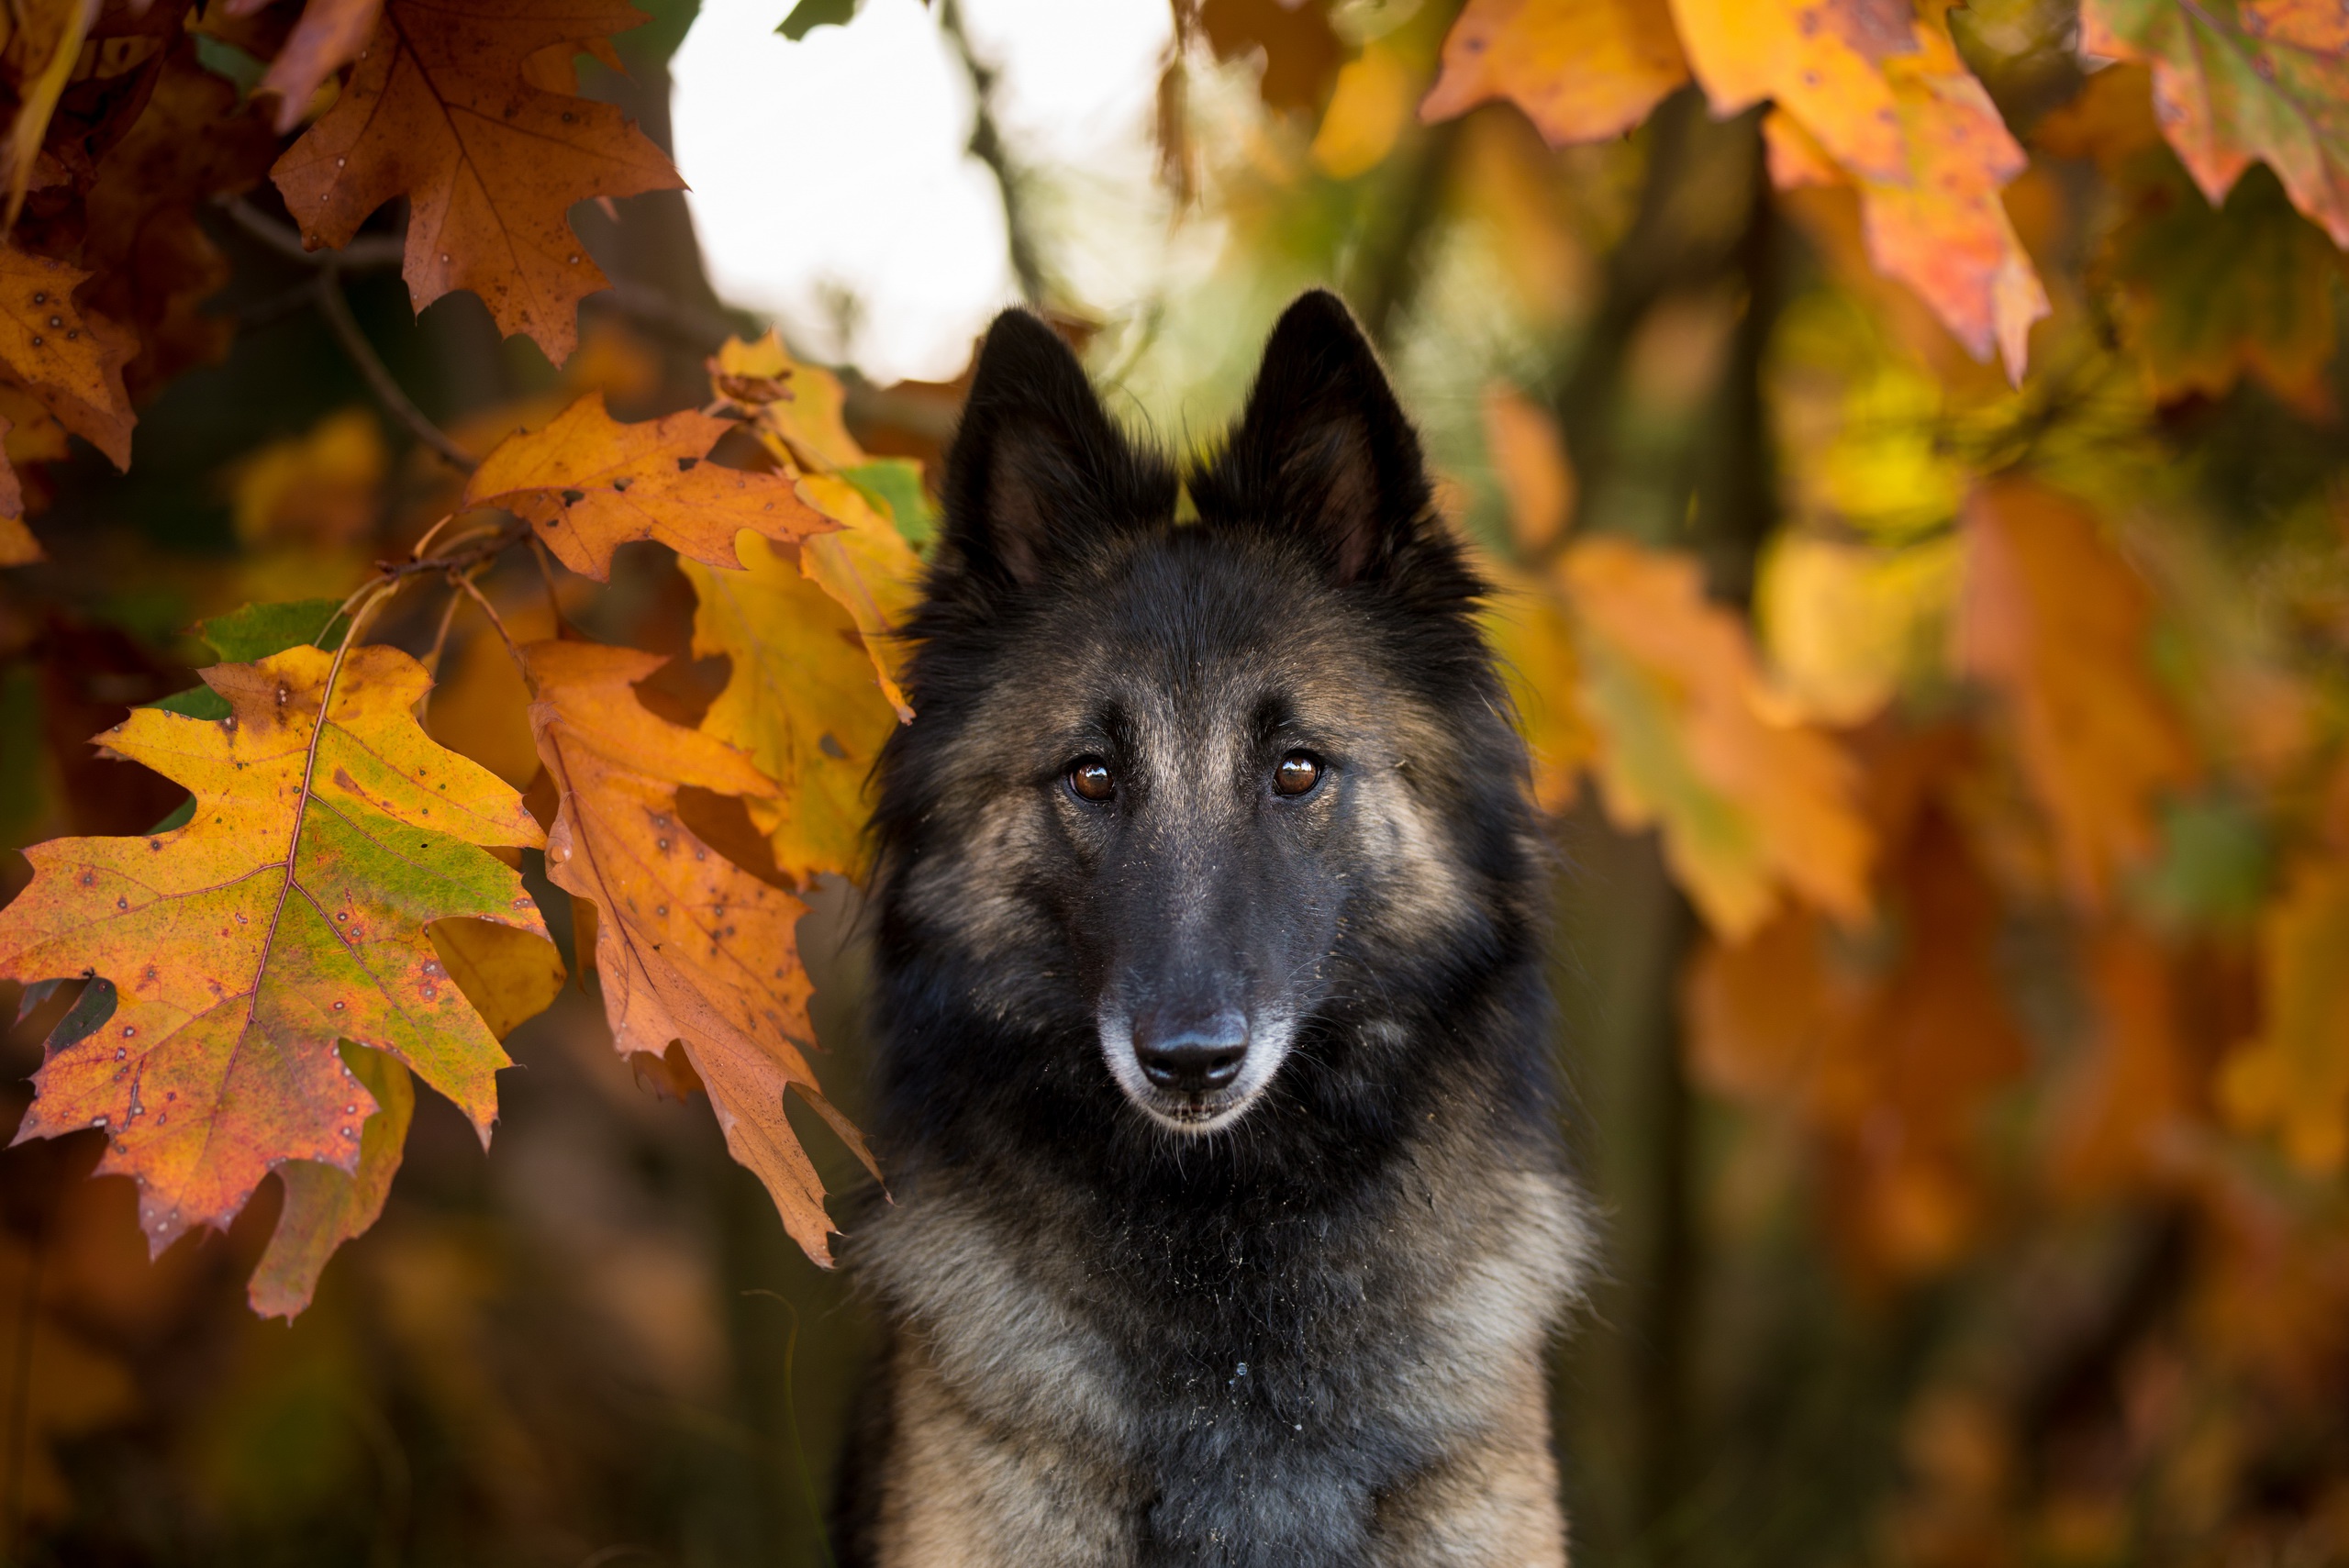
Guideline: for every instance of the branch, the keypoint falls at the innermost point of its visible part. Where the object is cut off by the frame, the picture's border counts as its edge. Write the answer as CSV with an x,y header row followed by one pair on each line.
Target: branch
x,y
367,253
337,310
987,147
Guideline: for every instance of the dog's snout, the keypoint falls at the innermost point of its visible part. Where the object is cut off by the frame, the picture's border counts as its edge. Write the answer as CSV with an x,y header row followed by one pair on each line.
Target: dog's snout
x,y
1192,1056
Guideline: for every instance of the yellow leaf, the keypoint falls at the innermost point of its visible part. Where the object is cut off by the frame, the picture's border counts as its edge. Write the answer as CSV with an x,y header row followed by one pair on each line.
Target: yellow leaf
x,y
1368,109
870,569
1847,624
2292,1079
800,699
1750,803
796,406
508,974
1534,642
325,487
1581,69
589,485
62,355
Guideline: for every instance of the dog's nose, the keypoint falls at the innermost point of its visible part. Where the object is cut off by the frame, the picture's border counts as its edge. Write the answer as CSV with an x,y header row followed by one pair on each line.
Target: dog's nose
x,y
1195,1055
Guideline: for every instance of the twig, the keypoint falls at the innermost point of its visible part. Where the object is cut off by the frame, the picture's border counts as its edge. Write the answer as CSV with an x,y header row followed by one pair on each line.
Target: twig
x,y
337,310
546,576
373,252
496,622
987,147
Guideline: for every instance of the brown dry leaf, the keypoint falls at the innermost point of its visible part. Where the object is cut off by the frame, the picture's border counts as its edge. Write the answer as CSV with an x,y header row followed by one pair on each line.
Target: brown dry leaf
x,y
154,264
288,915
438,110
1751,804
326,1205
2292,1081
2051,615
60,354
1528,454
1581,69
590,484
691,948
1301,52
48,39
327,39
799,699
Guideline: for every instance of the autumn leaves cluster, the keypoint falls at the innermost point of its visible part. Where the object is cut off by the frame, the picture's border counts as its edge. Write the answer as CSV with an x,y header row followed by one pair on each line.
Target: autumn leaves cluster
x,y
336,908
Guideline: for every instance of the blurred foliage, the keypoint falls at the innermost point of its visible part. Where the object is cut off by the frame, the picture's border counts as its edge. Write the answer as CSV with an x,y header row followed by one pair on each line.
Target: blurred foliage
x,y
1921,567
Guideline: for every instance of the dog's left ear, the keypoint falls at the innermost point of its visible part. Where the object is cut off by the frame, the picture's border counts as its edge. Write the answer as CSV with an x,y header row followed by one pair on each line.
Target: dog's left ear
x,y
1324,449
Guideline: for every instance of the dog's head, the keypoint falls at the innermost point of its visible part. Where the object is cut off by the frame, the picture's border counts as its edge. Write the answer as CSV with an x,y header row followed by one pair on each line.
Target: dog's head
x,y
1181,799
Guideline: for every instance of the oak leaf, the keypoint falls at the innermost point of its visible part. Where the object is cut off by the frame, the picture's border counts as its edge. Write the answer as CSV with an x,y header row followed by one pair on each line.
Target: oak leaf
x,y
2052,616
871,571
288,915
60,354
1537,478
326,1205
1581,69
1750,803
2292,1079
797,409
440,109
691,948
2261,78
17,545
1934,219
589,485
327,39
799,699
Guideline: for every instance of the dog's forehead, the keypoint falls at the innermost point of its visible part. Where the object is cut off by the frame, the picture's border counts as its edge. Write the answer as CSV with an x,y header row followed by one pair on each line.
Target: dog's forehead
x,y
1197,637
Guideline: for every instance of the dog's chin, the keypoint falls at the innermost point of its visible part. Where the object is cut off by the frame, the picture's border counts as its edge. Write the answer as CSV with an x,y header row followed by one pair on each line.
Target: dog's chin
x,y
1194,1116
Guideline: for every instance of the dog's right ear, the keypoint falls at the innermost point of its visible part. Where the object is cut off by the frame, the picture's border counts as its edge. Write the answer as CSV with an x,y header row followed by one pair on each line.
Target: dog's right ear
x,y
1039,471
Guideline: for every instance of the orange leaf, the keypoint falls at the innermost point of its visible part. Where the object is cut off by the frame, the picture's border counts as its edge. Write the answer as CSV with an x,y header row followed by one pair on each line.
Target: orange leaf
x,y
2123,1112
691,947
326,1205
590,484
1581,69
2051,615
1934,219
1750,802
438,110
1529,459
2262,79
74,368
288,915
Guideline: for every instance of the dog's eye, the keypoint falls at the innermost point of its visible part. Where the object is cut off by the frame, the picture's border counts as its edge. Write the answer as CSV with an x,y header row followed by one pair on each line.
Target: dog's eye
x,y
1089,778
1297,773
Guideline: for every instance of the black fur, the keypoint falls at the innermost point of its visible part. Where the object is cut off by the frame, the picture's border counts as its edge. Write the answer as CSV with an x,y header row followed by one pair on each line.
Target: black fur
x,y
1317,562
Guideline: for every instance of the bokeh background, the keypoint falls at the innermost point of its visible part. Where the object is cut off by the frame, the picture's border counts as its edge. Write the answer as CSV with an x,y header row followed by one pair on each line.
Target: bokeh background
x,y
1988,1275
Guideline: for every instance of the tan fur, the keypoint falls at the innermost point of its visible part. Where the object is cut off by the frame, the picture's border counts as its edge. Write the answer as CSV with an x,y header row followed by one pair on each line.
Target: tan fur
x,y
1011,1443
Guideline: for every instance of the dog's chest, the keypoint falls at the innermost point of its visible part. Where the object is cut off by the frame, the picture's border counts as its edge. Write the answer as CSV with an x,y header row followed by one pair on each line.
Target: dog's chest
x,y
1263,1400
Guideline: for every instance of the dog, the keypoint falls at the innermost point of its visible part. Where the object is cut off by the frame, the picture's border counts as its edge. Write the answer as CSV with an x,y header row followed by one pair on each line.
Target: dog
x,y
1228,1223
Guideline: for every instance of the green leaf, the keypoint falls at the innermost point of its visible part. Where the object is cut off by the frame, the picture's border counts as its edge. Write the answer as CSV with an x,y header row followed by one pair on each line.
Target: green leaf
x,y
894,484
256,632
809,14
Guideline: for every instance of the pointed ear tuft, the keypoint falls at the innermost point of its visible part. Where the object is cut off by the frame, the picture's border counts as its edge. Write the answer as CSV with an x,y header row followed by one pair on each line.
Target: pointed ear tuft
x,y
1038,470
1324,450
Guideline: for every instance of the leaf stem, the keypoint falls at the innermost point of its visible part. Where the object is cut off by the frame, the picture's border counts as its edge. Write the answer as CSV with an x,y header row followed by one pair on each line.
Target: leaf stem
x,y
388,391
497,622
